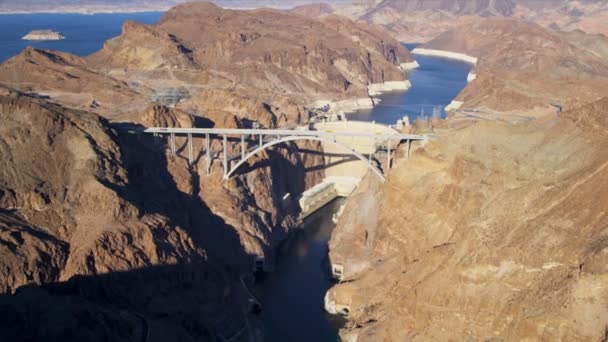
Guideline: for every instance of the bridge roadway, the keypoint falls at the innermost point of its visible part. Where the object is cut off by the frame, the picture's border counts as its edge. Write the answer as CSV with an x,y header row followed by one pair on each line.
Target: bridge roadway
x,y
265,138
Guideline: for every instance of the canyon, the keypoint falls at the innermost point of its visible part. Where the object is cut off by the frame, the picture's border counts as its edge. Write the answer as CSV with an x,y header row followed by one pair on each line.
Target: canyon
x,y
494,229
552,69
100,216
421,21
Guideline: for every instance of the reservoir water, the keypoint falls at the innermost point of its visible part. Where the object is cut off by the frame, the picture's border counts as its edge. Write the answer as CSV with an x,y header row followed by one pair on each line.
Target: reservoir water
x,y
292,296
434,85
84,34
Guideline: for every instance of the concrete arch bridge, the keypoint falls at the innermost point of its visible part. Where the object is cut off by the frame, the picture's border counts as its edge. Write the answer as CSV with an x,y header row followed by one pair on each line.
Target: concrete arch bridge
x,y
361,144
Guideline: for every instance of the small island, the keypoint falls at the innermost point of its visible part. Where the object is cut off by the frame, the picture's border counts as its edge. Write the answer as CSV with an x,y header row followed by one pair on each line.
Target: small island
x,y
43,35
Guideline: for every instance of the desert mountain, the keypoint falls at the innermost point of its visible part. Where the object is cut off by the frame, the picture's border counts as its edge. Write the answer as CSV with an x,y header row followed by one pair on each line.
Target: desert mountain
x,y
506,240
88,208
283,60
422,20
524,67
456,7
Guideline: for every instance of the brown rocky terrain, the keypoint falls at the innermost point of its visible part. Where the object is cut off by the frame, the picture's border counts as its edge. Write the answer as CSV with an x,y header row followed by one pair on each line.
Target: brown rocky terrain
x,y
82,197
280,60
421,21
89,207
491,232
525,69
71,205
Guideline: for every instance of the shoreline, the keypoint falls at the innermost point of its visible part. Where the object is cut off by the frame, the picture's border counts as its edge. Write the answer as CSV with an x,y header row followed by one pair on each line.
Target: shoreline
x,y
85,12
446,54
375,89
110,10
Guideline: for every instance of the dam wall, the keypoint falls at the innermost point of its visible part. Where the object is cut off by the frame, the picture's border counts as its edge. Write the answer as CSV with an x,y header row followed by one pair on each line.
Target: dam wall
x,y
340,162
323,193
343,170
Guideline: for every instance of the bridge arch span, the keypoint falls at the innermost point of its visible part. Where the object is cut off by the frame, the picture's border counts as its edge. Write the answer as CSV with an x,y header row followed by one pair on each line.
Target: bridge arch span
x,y
305,137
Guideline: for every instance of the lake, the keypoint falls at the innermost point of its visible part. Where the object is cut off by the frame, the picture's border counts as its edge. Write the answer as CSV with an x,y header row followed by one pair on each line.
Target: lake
x,y
292,296
434,85
84,33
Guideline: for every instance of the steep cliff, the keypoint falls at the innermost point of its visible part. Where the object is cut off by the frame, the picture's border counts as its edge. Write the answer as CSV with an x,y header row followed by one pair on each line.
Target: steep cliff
x,y
492,231
73,205
525,69
421,21
273,57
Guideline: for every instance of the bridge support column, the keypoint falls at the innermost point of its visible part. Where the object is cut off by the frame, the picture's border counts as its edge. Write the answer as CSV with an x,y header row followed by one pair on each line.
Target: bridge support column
x,y
173,143
225,155
208,152
409,148
388,155
242,147
261,140
371,152
190,159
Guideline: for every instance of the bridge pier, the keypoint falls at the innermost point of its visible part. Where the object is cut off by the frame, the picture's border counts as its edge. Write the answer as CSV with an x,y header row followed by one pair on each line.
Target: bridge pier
x,y
208,152
272,137
173,144
225,155
190,159
388,155
242,147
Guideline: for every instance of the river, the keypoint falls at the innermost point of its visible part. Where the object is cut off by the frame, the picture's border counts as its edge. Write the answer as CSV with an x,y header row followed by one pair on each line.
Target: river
x,y
292,296
84,34
434,85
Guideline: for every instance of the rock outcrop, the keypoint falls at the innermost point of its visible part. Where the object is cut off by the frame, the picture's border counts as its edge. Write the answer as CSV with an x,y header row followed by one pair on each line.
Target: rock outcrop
x,y
273,57
493,232
43,35
71,208
524,69
421,21
85,198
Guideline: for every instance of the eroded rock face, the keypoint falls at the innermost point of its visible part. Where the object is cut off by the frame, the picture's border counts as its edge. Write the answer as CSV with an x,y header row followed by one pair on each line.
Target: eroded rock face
x,y
80,198
273,58
525,69
421,21
493,231
83,197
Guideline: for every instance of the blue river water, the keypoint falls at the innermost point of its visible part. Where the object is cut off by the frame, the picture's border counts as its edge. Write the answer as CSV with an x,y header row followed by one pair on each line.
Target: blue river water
x,y
292,296
434,85
84,34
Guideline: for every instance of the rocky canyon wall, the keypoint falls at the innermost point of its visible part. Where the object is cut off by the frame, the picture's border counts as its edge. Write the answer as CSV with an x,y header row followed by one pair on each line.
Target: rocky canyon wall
x,y
493,231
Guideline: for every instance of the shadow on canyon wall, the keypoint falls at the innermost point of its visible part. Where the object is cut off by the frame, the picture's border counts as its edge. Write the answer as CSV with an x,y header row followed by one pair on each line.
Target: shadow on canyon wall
x,y
190,302
152,189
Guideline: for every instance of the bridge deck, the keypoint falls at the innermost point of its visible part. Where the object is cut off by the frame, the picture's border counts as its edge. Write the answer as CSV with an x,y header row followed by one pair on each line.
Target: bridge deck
x,y
285,132
265,138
